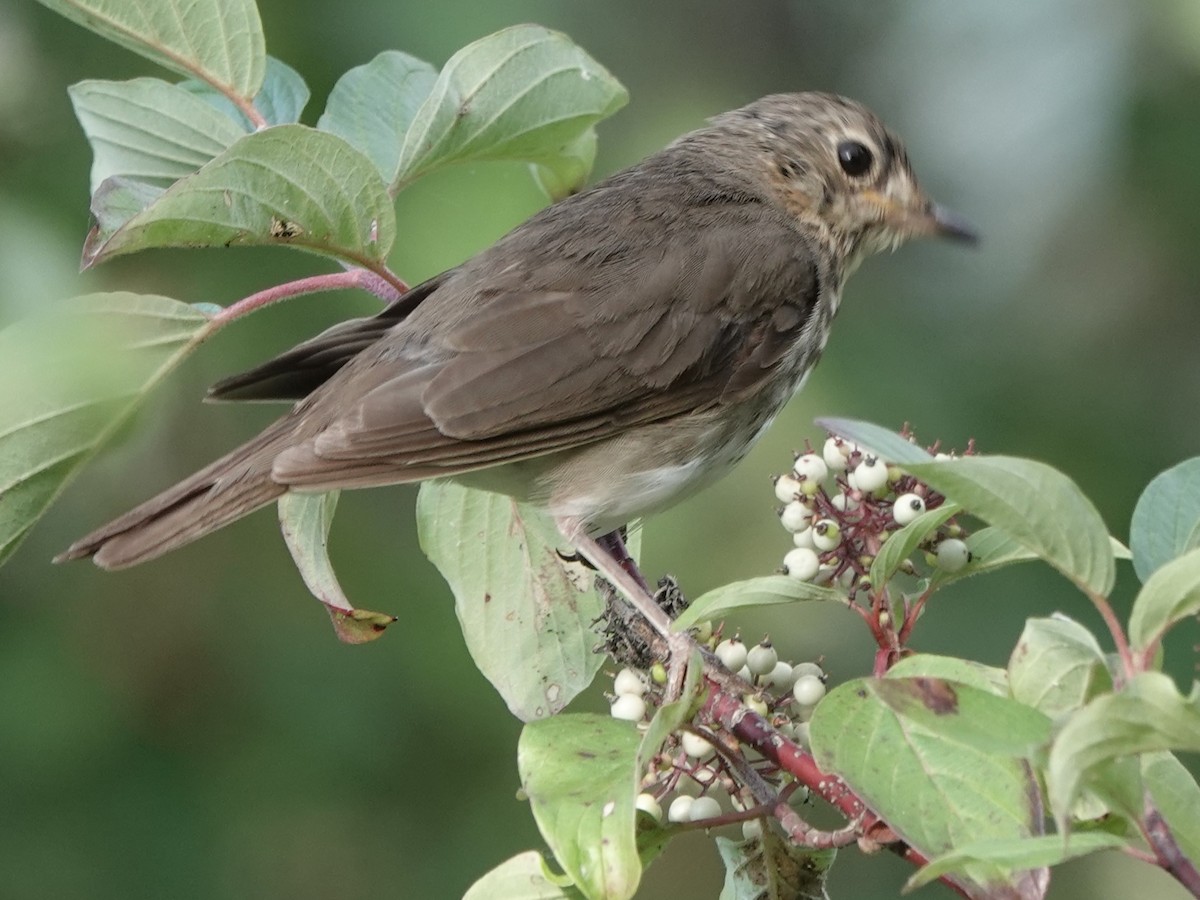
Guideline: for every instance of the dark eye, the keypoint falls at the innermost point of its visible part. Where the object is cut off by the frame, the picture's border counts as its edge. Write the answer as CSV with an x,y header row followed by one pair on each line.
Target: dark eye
x,y
855,158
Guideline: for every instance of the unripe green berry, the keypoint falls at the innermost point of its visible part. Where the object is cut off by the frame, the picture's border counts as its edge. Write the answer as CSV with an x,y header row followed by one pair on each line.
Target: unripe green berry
x,y
658,673
907,507
761,658
801,563
756,704
952,555
732,653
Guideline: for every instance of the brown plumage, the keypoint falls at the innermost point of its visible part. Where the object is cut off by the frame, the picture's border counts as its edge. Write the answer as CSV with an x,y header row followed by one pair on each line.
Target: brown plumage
x,y
613,353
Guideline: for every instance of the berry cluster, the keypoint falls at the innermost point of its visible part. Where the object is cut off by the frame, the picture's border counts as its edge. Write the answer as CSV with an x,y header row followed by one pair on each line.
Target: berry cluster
x,y
688,775
842,504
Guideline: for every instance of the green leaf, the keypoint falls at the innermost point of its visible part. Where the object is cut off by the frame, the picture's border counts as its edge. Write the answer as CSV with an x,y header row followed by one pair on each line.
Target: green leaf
x,y
523,877
567,172
219,42
949,668
523,93
1148,715
1169,595
280,100
1056,666
118,199
373,105
878,440
148,130
940,762
68,377
771,867
901,544
1016,854
527,623
580,776
769,590
288,185
1177,797
993,548
1166,520
1041,508
304,520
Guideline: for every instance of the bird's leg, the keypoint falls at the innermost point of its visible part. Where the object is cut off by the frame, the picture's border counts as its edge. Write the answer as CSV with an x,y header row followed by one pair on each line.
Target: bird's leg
x,y
613,563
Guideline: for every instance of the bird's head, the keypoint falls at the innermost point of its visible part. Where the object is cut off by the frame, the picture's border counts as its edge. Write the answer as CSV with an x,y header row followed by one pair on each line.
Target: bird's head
x,y
835,167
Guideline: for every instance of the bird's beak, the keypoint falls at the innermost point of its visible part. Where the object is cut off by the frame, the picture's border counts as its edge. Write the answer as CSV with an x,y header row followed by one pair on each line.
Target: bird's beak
x,y
947,224
924,218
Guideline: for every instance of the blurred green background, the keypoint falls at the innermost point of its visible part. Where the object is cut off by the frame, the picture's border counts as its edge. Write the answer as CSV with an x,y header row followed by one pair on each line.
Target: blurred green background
x,y
191,729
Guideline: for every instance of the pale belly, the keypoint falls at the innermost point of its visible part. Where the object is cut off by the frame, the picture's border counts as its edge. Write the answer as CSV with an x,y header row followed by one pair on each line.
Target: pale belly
x,y
603,486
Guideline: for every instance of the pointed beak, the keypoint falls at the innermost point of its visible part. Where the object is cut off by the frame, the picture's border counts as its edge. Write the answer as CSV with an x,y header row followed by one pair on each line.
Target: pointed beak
x,y
947,224
922,217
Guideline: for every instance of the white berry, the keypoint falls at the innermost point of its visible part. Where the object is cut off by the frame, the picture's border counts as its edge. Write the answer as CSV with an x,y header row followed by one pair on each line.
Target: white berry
x,y
732,653
834,453
649,805
907,507
807,668
694,745
804,538
843,503
810,467
629,681
762,658
801,732
826,534
680,809
801,563
795,516
787,488
808,690
871,474
751,828
629,707
952,555
704,808
780,676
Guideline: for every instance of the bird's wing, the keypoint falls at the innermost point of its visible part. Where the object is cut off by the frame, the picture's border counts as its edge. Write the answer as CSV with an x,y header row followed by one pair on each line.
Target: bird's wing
x,y
299,371
536,359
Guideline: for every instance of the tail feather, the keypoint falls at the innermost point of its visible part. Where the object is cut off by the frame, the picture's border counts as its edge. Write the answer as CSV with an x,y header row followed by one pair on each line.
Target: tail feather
x,y
232,487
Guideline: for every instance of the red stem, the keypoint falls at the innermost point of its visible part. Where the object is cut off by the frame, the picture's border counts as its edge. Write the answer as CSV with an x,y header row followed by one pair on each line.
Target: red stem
x,y
385,289
1128,663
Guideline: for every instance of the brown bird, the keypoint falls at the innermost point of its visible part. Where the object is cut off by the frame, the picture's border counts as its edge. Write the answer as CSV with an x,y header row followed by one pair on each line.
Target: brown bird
x,y
613,354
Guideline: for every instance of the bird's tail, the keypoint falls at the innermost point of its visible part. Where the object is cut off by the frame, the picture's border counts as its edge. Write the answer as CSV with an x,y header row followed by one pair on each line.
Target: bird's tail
x,y
233,486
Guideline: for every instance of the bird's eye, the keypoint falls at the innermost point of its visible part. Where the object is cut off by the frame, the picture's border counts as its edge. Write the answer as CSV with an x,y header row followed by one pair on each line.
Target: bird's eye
x,y
855,158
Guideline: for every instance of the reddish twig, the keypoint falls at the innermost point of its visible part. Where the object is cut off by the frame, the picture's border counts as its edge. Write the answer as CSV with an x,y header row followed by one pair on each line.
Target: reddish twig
x,y
372,282
1166,850
1128,663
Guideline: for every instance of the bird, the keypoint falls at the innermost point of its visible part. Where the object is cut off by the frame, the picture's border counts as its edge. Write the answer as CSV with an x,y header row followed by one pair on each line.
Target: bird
x,y
613,354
